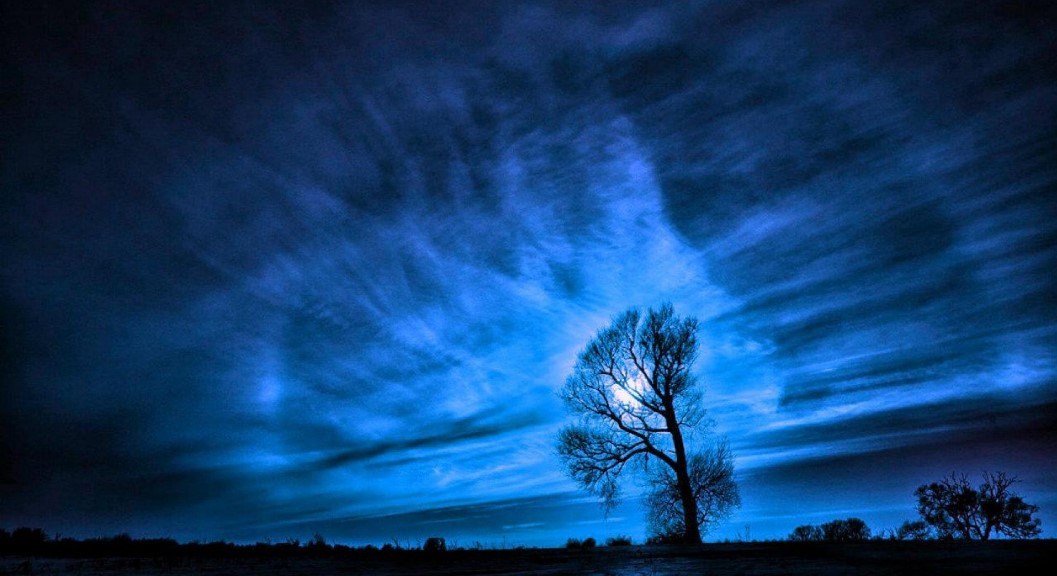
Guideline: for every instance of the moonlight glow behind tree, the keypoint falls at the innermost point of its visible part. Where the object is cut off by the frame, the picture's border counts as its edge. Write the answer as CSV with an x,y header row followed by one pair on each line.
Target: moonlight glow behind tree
x,y
267,271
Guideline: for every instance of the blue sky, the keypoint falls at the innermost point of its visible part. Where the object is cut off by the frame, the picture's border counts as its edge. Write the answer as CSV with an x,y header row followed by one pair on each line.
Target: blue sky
x,y
269,271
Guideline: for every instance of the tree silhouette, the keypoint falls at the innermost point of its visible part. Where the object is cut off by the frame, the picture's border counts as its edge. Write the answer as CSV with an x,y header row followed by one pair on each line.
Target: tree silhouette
x,y
637,400
957,510
806,533
845,530
850,530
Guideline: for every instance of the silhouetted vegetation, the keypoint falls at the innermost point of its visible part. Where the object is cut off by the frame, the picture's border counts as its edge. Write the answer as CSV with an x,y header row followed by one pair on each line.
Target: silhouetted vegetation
x,y
28,538
806,533
664,539
637,399
318,543
618,541
950,509
870,557
913,530
850,530
954,509
123,554
35,542
577,544
435,544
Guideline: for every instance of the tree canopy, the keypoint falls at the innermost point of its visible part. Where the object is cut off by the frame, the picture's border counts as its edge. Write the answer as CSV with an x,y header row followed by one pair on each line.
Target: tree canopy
x,y
957,510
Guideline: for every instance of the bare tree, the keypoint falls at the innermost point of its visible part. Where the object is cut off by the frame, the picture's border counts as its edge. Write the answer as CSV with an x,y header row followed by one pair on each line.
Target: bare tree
x,y
957,510
637,399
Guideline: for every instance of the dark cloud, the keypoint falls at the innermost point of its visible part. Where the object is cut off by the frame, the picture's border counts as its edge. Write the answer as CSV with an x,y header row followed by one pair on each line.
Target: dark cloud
x,y
306,266
976,419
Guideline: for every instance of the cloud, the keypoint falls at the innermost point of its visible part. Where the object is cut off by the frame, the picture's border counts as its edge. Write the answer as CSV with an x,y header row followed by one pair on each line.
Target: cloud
x,y
346,258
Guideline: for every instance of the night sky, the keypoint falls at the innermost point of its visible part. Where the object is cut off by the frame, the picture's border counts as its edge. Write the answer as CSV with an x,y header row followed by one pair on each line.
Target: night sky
x,y
271,271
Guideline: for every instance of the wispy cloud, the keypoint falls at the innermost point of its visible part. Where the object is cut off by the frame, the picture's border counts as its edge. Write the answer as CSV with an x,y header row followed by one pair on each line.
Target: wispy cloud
x,y
337,266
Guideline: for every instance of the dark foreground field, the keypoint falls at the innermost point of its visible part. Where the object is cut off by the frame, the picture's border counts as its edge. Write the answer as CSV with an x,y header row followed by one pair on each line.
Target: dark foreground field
x,y
1003,557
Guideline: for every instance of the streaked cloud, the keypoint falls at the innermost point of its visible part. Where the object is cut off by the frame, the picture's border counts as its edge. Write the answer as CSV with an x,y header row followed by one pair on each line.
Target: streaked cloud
x,y
334,268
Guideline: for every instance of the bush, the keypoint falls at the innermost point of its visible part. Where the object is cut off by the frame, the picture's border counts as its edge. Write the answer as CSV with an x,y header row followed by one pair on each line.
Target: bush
x,y
806,533
576,543
435,544
318,543
852,529
913,530
665,539
619,541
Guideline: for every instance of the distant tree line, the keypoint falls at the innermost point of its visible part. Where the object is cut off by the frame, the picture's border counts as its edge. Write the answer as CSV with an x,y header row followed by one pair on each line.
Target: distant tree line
x,y
951,509
849,530
36,542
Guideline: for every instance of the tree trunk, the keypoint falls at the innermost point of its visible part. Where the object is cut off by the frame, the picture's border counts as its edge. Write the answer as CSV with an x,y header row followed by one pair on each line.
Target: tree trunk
x,y
692,535
686,492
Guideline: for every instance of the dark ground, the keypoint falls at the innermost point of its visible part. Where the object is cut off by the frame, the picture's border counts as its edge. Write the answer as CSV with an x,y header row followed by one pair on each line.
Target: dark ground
x,y
997,557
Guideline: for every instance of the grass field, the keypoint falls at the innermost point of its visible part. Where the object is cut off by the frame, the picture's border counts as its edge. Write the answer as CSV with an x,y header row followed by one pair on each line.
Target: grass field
x,y
874,557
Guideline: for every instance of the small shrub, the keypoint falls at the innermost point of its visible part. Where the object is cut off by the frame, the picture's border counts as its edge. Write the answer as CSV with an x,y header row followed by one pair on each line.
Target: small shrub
x,y
318,542
588,543
435,544
122,539
573,544
670,537
619,541
913,530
